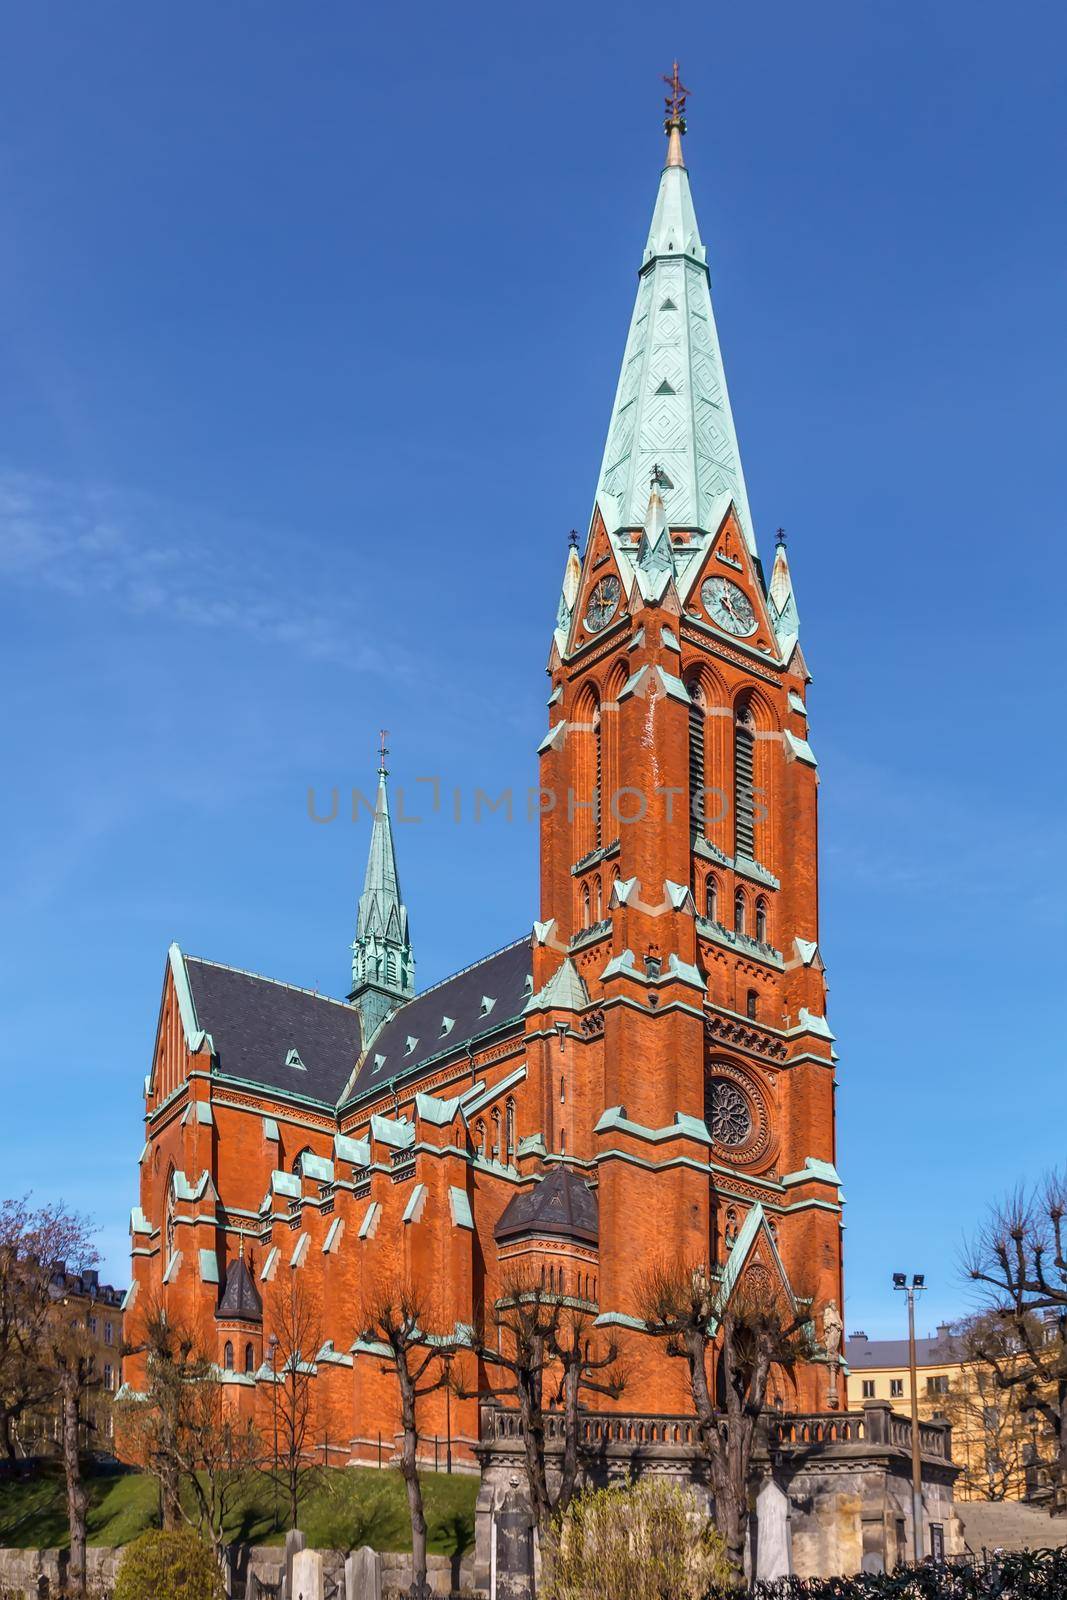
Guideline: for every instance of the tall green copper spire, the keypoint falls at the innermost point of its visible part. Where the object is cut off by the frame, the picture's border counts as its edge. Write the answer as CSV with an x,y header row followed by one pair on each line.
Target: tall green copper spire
x,y
383,967
671,408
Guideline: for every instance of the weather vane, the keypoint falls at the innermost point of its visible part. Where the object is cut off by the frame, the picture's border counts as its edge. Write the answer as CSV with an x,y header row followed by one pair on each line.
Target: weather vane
x,y
383,748
675,101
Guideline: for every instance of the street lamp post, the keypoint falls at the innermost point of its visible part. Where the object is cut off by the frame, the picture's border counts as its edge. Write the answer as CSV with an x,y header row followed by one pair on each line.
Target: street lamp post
x,y
916,1286
273,1344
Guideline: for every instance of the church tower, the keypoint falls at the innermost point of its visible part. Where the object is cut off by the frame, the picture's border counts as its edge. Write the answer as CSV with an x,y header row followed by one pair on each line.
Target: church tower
x,y
679,997
383,966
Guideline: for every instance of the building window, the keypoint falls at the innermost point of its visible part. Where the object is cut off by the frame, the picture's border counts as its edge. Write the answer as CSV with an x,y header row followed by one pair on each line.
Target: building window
x,y
744,746
696,761
109,1333
751,1001
868,1388
227,1356
585,905
739,911
297,1168
711,900
896,1388
509,1129
938,1384
599,900
107,1377
761,920
250,1358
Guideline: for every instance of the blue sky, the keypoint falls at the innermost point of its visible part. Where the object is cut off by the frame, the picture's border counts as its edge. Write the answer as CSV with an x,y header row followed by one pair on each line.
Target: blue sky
x,y
310,321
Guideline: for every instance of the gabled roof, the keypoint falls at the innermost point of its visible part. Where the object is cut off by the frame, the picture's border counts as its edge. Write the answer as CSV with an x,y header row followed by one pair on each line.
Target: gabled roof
x,y
240,1298
443,1020
255,1023
560,1206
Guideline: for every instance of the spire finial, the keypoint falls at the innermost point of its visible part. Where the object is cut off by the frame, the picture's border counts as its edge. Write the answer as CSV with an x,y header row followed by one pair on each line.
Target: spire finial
x,y
383,751
674,121
572,538
779,537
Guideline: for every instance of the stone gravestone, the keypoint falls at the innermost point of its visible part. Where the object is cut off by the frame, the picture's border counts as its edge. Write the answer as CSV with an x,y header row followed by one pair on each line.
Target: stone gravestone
x,y
774,1545
294,1543
363,1575
307,1581
514,1547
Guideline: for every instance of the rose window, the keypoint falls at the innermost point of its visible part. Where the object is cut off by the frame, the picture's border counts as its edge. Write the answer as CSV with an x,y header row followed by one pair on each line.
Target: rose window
x,y
729,1117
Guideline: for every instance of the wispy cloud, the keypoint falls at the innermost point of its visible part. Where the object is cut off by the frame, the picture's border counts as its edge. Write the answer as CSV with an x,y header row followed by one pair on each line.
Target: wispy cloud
x,y
146,558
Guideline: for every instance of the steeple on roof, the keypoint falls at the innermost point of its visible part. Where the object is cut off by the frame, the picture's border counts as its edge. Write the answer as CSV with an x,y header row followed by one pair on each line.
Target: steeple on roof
x,y
382,962
671,406
784,612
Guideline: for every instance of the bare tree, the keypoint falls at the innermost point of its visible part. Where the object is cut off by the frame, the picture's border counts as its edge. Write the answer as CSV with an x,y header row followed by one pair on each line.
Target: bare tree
x,y
182,1429
69,1353
553,1360
396,1316
1019,1258
295,1340
33,1241
989,1437
730,1350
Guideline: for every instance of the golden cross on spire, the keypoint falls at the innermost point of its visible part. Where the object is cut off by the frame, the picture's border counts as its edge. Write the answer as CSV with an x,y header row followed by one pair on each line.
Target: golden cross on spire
x,y
675,101
383,748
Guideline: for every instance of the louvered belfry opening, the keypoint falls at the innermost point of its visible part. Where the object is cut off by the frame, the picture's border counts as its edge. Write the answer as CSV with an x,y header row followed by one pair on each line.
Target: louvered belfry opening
x,y
744,757
697,808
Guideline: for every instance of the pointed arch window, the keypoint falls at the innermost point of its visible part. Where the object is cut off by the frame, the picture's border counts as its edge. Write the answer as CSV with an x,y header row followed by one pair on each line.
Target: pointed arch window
x,y
250,1359
598,782
585,905
744,804
761,920
740,909
298,1160
496,1133
599,899
227,1356
711,898
509,1129
169,1223
697,798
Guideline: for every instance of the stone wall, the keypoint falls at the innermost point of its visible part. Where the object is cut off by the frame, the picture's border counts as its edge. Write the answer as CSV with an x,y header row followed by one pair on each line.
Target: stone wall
x,y
846,1477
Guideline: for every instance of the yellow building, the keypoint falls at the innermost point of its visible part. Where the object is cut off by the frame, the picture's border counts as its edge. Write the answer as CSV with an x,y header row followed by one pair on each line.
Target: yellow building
x,y
1000,1449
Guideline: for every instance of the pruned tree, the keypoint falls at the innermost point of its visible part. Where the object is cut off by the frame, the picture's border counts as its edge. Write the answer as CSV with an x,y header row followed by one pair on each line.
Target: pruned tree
x,y
1019,1261
295,1339
553,1359
181,1426
730,1349
397,1317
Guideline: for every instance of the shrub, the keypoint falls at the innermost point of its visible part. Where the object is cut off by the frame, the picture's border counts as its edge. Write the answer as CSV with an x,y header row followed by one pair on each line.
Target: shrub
x,y
1019,1575
642,1541
168,1566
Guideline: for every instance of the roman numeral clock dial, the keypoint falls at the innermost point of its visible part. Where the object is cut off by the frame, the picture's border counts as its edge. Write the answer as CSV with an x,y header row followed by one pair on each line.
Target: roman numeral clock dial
x,y
728,606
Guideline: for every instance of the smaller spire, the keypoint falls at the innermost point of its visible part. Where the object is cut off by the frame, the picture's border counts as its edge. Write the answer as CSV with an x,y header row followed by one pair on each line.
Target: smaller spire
x,y
572,582
383,966
674,121
654,563
784,612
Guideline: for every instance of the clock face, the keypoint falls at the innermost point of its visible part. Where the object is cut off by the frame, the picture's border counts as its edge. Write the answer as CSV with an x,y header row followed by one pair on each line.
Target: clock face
x,y
728,606
603,603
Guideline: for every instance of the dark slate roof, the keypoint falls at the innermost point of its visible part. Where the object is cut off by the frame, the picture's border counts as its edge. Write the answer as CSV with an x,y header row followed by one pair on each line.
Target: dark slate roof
x,y
240,1298
255,1022
501,977
861,1352
561,1206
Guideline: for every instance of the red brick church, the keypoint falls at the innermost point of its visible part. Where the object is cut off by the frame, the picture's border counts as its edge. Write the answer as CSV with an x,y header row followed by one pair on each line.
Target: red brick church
x,y
648,1071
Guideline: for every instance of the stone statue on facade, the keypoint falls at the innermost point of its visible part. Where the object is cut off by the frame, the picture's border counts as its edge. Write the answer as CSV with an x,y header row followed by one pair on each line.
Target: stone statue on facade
x,y
833,1329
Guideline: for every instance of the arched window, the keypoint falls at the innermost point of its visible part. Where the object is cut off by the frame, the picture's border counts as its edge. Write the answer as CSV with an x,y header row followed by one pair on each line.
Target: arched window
x,y
739,911
598,809
496,1133
250,1358
227,1356
711,899
298,1159
697,798
584,804
509,1129
761,920
169,1223
599,900
744,749
585,905
751,1002
479,1137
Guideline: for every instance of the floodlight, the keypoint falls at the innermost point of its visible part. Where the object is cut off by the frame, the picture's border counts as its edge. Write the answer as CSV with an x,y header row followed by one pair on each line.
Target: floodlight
x,y
900,1280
